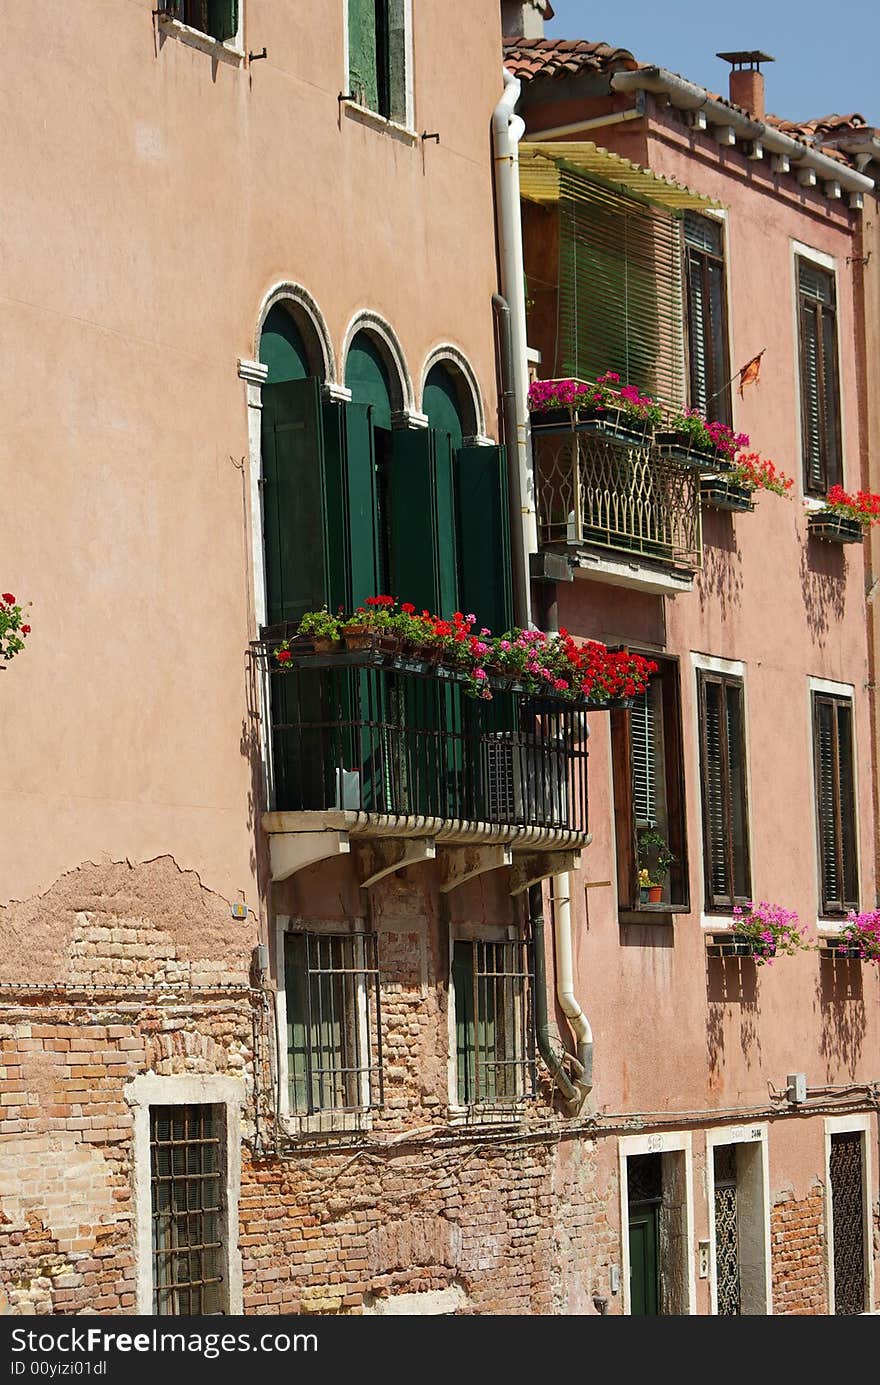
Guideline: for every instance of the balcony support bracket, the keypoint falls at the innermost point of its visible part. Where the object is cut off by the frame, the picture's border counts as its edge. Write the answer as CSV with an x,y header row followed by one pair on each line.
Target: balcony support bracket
x,y
460,864
533,867
386,858
293,851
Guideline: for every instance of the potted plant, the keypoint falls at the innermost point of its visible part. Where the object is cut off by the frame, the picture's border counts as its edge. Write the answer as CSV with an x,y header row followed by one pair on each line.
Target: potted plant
x,y
655,858
844,517
322,630
691,438
859,938
750,473
768,930
605,406
13,630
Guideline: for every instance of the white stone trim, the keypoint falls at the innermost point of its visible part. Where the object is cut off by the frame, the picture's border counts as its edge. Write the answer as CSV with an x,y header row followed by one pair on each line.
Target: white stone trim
x,y
445,353
828,685
253,371
375,326
336,394
286,291
409,418
819,257
754,1133
228,50
841,1125
197,1089
659,1142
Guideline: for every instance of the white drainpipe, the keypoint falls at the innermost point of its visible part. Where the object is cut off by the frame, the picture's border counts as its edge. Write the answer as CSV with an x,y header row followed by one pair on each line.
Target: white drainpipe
x,y
507,131
565,981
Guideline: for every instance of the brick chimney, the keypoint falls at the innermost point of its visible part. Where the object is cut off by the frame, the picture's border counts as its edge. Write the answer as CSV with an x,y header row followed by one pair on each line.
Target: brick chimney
x,y
524,18
747,81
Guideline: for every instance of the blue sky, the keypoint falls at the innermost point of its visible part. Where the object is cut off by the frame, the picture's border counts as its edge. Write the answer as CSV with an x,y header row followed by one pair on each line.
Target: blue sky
x,y
826,54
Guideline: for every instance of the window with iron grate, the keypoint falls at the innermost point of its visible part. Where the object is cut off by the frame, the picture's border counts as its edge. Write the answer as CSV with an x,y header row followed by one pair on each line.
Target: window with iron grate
x,y
189,1231
334,1059
494,1024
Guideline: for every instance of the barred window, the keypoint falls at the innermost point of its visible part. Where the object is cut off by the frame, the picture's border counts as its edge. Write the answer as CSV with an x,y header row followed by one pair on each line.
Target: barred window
x,y
494,1025
835,802
334,1059
187,1180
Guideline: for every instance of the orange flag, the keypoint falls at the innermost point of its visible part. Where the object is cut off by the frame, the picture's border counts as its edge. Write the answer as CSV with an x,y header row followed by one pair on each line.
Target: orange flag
x,y
750,372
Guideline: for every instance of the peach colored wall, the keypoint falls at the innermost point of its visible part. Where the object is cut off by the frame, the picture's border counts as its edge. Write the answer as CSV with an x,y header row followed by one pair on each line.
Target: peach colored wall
x,y
152,199
675,1032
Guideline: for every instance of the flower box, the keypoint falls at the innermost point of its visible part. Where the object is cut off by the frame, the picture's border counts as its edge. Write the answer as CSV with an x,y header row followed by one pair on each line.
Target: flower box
x,y
615,424
681,448
721,494
825,524
731,945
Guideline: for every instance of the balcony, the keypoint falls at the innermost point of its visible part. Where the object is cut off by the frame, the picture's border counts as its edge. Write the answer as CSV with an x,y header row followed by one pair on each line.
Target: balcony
x,y
373,744
599,491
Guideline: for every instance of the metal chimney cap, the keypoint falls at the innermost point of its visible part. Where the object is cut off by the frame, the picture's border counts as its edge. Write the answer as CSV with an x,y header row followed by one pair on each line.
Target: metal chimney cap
x,y
753,59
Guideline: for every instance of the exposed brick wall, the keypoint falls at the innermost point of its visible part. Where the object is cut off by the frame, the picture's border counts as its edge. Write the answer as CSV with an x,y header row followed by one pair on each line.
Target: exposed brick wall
x,y
797,1236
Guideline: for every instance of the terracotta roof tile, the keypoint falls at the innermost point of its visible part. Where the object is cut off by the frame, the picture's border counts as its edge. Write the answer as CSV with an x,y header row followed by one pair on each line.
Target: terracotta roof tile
x,y
551,57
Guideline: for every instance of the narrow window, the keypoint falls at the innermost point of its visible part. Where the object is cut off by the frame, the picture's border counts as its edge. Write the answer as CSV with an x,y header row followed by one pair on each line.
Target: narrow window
x,y
835,802
187,1180
494,1031
820,387
216,18
707,317
725,801
377,56
332,997
649,806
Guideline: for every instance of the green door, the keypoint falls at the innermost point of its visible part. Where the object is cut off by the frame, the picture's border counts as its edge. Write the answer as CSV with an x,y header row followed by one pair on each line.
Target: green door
x,y
644,1294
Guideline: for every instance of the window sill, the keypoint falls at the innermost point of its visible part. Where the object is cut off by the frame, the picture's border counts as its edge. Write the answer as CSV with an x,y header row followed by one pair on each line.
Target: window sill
x,y
365,116
652,913
327,1123
226,52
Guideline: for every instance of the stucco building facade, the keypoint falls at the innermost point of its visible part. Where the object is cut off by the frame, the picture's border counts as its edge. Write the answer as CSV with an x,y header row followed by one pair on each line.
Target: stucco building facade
x,y
279,949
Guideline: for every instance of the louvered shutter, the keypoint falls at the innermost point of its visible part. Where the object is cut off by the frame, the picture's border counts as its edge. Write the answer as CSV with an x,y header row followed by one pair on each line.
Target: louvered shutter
x,y
620,288
714,795
835,803
624,818
644,754
293,509
697,328
820,384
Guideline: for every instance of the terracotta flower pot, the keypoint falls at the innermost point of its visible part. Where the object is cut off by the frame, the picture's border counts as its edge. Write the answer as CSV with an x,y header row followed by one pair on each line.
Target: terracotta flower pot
x,y
655,894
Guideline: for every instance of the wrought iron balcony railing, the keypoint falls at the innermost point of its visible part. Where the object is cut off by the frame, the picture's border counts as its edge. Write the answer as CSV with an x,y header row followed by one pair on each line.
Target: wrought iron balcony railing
x,y
597,489
379,734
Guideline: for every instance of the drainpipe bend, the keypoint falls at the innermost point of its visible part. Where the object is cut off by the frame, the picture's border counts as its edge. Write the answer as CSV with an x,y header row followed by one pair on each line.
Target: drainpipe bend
x,y
568,1001
554,1064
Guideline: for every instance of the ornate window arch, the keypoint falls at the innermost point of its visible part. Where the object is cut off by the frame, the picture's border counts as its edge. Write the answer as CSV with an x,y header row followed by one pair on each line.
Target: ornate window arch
x,y
310,323
470,400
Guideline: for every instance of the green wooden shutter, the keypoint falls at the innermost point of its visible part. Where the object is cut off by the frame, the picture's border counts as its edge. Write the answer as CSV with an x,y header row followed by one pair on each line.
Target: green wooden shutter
x,y
620,288
360,481
223,19
484,537
293,503
363,55
413,518
644,756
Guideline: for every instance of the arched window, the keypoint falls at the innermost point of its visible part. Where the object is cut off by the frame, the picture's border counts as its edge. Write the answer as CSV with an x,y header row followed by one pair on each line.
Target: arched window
x,y
282,347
